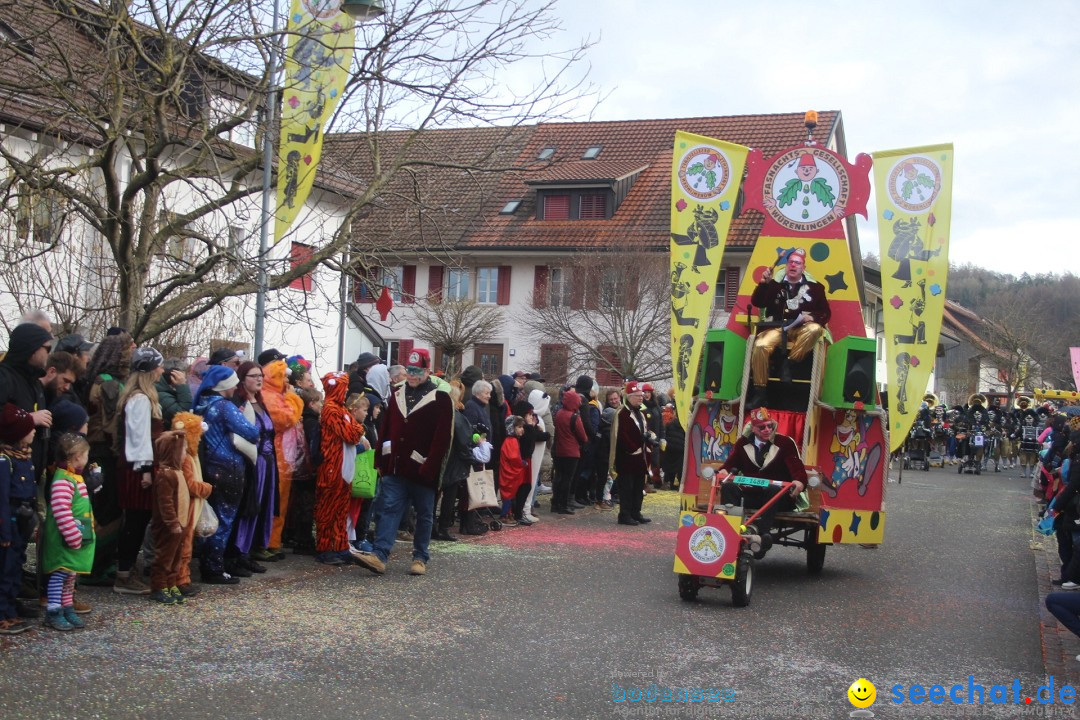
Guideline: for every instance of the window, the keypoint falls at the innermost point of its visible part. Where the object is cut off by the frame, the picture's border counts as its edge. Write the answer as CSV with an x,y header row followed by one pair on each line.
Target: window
x,y
558,289
393,278
546,153
487,285
727,289
457,285
556,207
389,353
449,364
593,206
38,215
489,360
610,289
554,361
299,254
510,207
592,152
224,109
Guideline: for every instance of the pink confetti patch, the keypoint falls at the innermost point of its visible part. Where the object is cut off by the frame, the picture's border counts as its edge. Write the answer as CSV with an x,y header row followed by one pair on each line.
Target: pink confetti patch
x,y
681,205
549,533
896,302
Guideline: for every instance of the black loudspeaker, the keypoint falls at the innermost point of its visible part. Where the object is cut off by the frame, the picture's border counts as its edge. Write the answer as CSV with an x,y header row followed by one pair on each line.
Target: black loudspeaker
x,y
713,375
859,376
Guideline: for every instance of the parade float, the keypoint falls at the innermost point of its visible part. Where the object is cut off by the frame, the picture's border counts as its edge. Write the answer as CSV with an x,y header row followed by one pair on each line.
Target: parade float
x,y
827,401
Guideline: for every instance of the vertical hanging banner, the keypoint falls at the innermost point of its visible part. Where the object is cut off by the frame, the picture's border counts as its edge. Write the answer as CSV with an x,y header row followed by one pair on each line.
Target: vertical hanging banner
x,y
705,179
317,61
914,202
1074,355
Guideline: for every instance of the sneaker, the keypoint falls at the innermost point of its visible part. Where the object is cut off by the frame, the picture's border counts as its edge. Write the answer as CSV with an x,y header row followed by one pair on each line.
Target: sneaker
x,y
128,583
234,568
543,489
532,518
329,558
366,547
404,536
1069,585
250,564
57,621
220,579
508,521
26,610
524,521
188,590
73,618
163,596
443,536
14,626
263,555
371,562
1057,581
418,567
177,595
575,504
82,608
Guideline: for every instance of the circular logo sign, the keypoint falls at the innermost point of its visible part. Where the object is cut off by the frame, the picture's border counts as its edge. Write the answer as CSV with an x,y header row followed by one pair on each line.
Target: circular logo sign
x,y
914,183
322,9
806,189
704,172
707,544
414,358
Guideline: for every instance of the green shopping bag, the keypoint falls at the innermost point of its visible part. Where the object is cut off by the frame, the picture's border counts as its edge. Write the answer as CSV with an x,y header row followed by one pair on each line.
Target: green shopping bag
x,y
364,476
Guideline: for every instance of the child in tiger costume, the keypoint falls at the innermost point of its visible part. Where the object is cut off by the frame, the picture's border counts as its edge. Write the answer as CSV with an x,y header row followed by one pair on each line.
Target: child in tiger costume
x,y
333,487
285,408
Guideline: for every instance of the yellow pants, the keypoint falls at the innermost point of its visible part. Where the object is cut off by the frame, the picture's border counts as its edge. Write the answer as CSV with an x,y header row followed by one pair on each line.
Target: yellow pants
x,y
801,341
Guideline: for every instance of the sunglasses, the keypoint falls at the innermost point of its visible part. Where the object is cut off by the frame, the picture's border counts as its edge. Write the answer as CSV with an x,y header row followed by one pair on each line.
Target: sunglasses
x,y
414,371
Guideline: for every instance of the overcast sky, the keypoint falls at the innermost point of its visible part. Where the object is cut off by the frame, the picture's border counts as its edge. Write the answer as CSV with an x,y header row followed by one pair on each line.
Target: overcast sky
x,y
998,80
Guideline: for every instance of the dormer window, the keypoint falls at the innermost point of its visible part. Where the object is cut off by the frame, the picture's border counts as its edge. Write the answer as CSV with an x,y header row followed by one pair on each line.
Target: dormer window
x,y
510,207
592,152
546,153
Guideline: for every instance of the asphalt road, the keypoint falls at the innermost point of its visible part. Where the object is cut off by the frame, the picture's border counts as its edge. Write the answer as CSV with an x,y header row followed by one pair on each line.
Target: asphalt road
x,y
542,622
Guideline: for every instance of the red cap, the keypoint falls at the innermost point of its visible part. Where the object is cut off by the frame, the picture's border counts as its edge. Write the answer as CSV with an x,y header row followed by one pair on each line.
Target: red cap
x,y
807,159
419,357
632,387
647,387
760,416
15,424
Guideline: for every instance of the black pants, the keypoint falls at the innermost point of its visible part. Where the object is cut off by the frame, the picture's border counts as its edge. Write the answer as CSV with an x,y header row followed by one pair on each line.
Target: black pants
x,y
520,498
12,559
631,487
451,498
564,473
131,538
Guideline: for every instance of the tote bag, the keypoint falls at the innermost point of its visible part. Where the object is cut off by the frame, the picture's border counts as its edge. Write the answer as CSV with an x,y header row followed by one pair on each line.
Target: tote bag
x,y
482,493
364,476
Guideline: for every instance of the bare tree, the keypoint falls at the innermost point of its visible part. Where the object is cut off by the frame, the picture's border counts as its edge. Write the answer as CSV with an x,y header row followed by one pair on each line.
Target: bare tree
x,y
1009,330
455,325
141,116
611,311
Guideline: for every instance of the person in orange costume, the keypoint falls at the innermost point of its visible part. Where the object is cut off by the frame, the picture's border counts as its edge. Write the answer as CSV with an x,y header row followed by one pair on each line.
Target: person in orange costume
x,y
332,489
192,426
285,408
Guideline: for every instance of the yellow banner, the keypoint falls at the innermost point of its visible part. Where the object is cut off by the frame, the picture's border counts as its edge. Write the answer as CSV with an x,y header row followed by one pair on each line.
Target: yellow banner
x,y
320,51
914,203
705,179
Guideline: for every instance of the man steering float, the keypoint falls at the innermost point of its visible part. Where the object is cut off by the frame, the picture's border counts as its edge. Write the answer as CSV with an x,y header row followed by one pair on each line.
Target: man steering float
x,y
762,452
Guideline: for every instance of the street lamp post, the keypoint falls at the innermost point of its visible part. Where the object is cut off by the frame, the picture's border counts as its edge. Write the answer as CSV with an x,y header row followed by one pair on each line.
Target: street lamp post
x,y
362,10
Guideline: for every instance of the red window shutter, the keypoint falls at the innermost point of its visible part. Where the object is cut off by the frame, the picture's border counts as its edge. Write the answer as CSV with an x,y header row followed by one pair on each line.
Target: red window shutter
x,y
556,207
604,374
408,284
404,348
731,288
364,289
554,360
299,254
592,206
502,295
435,283
540,289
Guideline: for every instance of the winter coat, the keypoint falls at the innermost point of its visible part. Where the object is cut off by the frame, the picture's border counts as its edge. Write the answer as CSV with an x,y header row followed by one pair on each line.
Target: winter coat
x,y
173,399
415,441
459,459
569,436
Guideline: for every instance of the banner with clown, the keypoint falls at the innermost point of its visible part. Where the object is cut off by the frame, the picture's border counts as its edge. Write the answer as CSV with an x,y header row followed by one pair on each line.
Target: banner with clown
x,y
914,205
705,179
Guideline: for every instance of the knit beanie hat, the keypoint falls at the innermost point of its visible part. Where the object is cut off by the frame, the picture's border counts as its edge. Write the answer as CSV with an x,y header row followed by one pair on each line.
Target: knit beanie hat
x,y
15,423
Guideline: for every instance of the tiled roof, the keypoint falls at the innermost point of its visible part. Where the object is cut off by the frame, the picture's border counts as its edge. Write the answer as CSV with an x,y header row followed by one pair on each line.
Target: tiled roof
x,y
585,171
445,207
